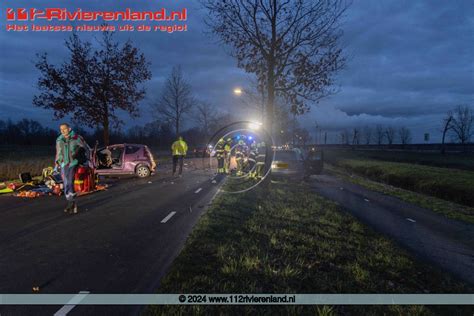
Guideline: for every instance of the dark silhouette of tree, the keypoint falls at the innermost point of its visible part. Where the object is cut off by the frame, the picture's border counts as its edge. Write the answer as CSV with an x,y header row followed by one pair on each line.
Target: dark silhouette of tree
x,y
379,134
26,132
291,46
462,124
344,135
176,99
390,134
355,136
367,134
447,126
205,117
405,135
94,83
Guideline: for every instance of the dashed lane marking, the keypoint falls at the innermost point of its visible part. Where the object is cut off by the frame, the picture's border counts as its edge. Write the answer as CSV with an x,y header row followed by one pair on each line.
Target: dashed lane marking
x,y
168,217
70,305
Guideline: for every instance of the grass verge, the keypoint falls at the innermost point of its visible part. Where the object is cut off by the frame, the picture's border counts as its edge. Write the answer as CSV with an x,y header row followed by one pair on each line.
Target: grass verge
x,y
448,184
464,161
285,239
449,209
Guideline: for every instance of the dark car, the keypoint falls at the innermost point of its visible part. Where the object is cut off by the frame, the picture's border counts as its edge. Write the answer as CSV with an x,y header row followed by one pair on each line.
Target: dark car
x,y
201,151
288,163
124,159
294,163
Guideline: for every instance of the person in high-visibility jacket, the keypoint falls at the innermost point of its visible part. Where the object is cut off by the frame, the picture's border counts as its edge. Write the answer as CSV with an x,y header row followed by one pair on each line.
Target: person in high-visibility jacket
x,y
239,157
179,150
220,155
227,150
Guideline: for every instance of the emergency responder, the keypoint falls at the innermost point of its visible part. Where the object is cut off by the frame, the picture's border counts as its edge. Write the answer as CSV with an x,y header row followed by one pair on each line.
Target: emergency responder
x,y
220,155
252,160
71,150
260,164
239,157
227,150
179,150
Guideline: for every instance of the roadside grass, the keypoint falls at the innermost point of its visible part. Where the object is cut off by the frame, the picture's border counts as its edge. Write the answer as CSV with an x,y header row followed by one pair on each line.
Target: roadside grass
x,y
18,159
449,209
283,238
464,161
448,184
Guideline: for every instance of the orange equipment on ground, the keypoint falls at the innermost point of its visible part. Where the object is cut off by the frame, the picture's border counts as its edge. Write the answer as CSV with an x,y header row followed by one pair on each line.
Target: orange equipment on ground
x,y
84,180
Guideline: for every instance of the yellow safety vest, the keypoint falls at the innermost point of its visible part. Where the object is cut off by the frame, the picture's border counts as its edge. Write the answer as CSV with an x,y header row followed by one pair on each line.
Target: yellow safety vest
x,y
179,148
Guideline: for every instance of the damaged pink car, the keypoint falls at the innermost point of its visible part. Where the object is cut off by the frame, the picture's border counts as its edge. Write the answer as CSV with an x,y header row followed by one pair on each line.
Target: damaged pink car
x,y
124,159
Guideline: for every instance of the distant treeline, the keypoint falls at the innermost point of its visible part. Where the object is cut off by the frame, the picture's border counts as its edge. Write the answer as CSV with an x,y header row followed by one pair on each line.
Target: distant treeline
x,y
32,133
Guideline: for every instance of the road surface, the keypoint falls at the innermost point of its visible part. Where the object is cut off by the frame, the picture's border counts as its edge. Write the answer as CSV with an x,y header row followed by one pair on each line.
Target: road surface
x,y
446,243
122,241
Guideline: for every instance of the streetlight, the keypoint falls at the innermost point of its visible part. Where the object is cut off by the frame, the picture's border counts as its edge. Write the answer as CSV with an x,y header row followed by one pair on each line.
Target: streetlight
x,y
238,91
254,125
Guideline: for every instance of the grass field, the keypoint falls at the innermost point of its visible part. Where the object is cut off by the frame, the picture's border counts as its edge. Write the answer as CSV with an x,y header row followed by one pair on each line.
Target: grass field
x,y
17,159
285,239
450,184
464,161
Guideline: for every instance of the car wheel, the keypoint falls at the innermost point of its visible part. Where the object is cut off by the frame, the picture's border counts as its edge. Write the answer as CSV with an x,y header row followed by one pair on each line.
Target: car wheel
x,y
142,171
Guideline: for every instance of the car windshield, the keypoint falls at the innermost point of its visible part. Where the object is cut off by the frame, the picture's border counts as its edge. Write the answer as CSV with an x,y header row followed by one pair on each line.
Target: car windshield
x,y
287,155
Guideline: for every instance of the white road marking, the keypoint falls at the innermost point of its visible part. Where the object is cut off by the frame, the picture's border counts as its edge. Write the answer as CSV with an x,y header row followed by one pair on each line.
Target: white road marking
x,y
75,300
168,217
341,188
411,220
366,200
190,209
198,190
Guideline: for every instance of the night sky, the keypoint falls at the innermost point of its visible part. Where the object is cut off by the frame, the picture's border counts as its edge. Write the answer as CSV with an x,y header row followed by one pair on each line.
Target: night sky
x,y
409,62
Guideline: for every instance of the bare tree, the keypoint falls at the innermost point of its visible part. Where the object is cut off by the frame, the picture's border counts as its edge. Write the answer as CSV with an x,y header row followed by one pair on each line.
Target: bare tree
x,y
447,126
367,134
462,124
390,134
176,99
355,136
379,134
291,46
405,135
344,135
206,116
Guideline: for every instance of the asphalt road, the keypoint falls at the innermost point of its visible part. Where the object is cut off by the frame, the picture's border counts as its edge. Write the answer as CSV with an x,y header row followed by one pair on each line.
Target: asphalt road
x,y
446,243
118,242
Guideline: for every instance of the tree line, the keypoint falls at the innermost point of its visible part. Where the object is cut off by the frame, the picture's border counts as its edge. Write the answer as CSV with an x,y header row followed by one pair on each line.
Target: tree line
x,y
28,132
457,124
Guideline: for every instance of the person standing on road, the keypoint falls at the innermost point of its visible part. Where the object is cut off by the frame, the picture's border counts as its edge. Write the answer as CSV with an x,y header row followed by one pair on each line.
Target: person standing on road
x,y
227,150
71,150
220,155
179,150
